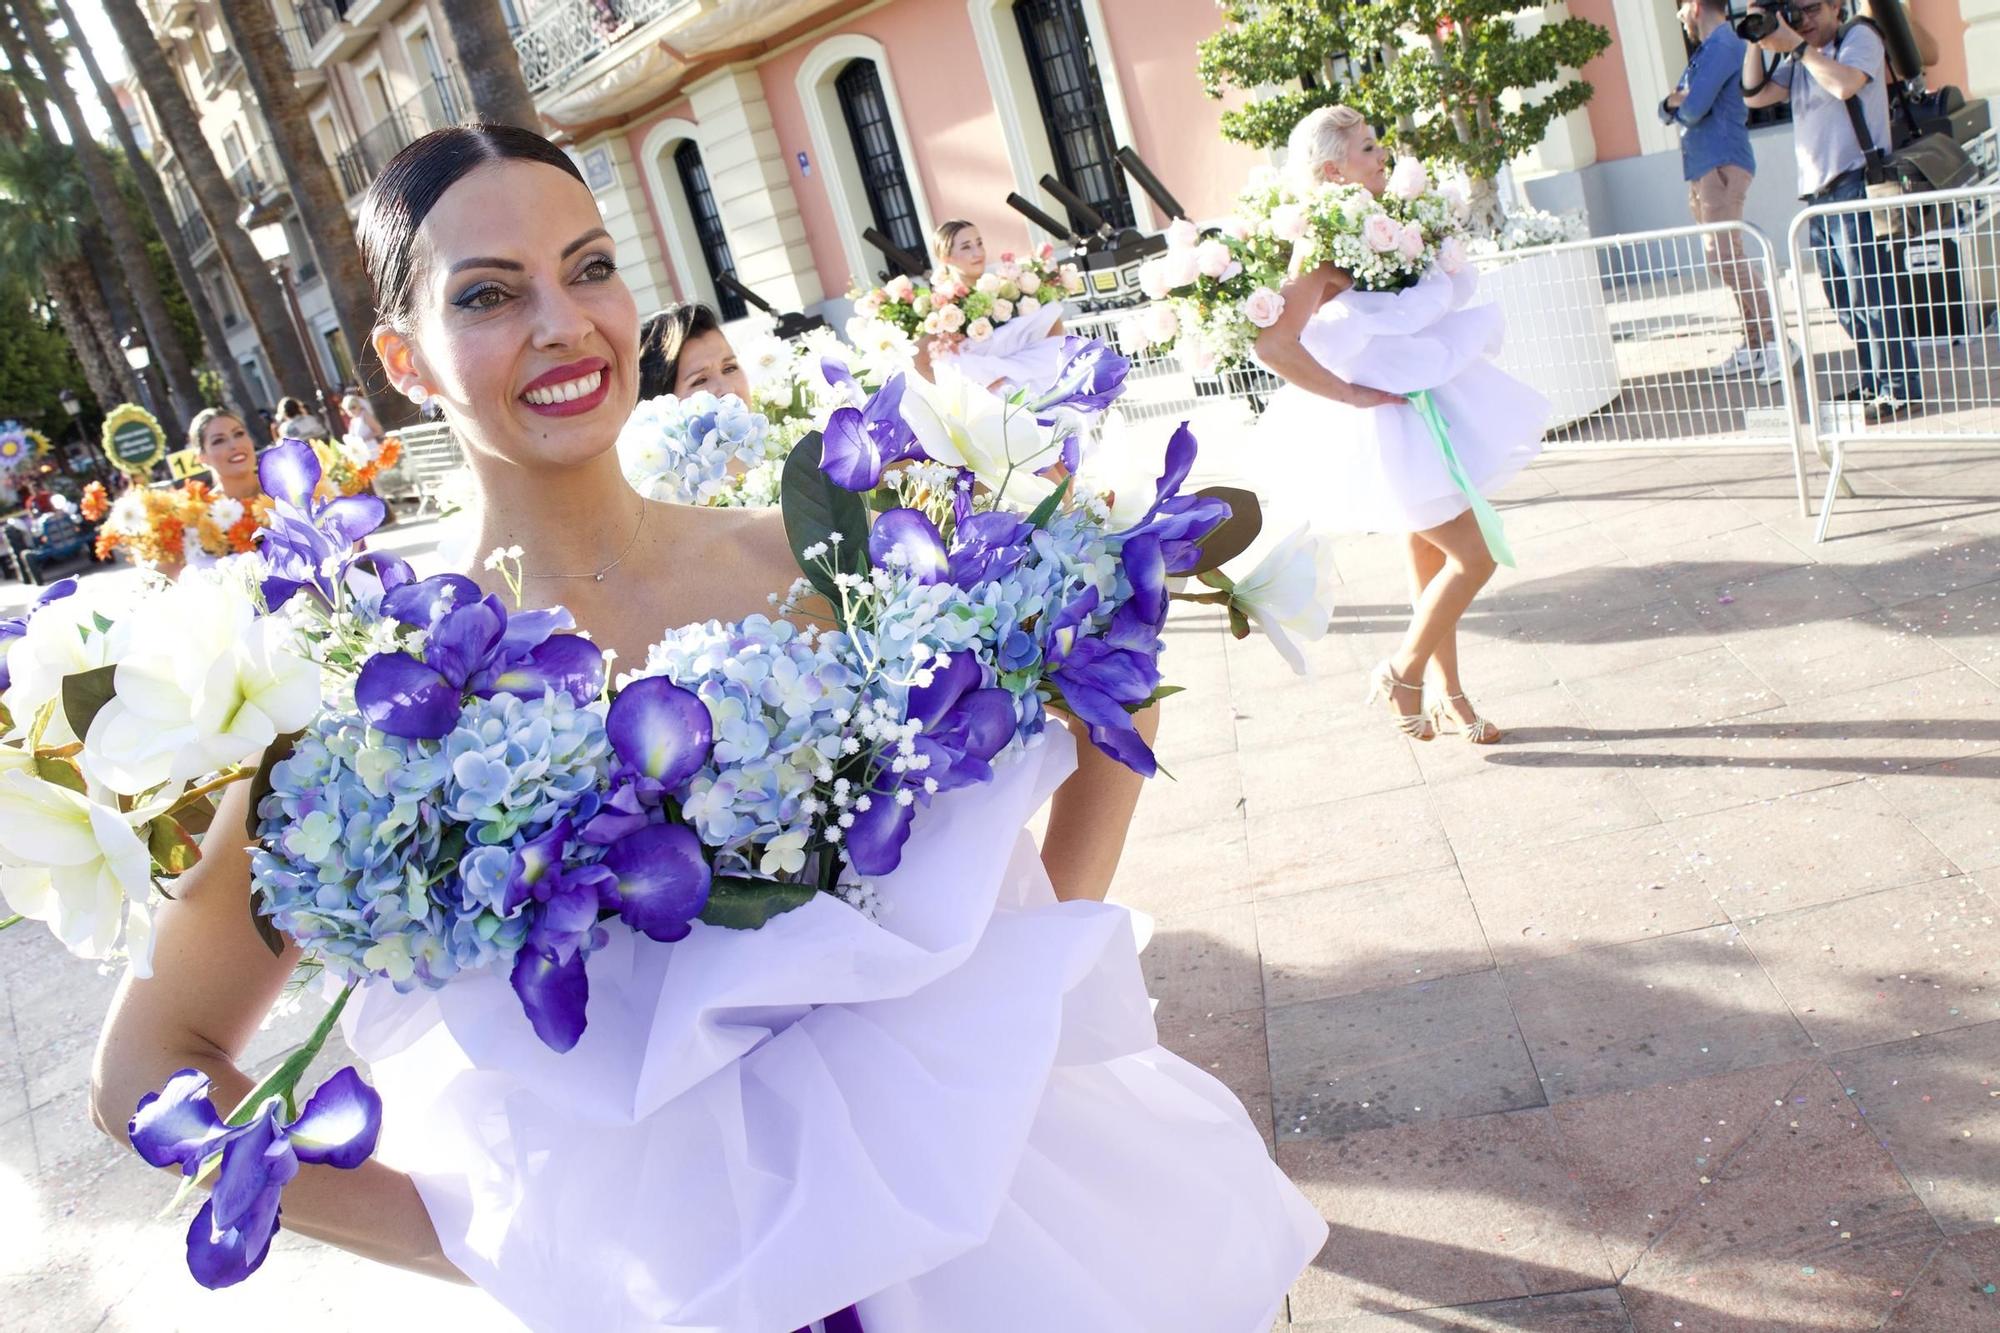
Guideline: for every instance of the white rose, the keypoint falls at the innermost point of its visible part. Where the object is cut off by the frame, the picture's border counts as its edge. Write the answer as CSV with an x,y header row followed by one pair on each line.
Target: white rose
x,y
1028,305
1153,280
1409,179
1451,255
951,318
1457,194
1003,310
1182,235
1289,221
988,284
1160,325
1214,258
1182,268
979,330
1263,307
1411,242
1289,592
1381,233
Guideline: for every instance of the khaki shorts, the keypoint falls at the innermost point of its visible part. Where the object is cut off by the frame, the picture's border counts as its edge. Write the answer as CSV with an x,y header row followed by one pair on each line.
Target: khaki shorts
x,y
1719,195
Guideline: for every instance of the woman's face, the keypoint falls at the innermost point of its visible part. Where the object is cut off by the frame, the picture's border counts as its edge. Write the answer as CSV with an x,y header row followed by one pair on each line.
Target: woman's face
x,y
968,253
522,329
1365,164
708,364
230,452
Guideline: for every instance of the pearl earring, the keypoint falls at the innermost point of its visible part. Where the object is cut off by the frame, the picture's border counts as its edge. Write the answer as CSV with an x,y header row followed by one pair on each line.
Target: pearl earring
x,y
419,394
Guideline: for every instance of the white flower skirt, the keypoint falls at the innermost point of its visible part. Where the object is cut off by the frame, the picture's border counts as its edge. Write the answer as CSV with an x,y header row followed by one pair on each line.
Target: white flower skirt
x,y
959,1118
1349,469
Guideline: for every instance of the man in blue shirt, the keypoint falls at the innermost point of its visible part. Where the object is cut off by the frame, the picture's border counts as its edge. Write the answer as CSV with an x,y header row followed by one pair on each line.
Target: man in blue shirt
x,y
1717,162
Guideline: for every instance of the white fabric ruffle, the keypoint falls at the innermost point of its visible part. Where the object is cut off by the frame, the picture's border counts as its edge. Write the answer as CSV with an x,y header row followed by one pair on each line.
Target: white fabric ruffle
x,y
1349,469
959,1118
1020,352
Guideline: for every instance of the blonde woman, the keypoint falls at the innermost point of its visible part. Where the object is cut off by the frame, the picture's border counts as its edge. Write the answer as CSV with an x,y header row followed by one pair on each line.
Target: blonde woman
x,y
1360,456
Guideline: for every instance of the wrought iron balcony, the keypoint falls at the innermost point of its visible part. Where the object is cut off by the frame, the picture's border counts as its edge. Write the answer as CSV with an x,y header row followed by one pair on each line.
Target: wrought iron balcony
x,y
195,234
224,65
560,39
442,102
315,21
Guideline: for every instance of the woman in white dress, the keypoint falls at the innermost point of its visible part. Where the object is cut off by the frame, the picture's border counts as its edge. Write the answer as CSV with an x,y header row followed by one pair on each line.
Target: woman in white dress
x,y
953,1119
1344,438
1026,352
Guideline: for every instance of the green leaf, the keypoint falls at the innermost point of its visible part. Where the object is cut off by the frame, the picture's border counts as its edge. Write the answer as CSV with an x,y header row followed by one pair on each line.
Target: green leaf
x,y
174,852
815,508
736,903
84,693
60,772
1046,510
1239,624
1238,531
1163,692
260,786
274,939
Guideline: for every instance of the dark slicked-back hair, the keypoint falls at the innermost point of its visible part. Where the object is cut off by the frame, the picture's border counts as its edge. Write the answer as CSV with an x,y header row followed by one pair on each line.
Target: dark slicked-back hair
x,y
410,186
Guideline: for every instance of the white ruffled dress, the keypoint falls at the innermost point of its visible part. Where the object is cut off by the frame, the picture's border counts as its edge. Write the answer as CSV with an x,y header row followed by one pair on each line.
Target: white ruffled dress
x,y
1020,353
958,1118
1350,469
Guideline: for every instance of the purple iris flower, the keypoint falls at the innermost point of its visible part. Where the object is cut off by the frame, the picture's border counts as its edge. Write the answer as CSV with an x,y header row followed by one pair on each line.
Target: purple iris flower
x,y
15,627
907,538
858,443
964,726
1103,678
989,546
472,645
231,1235
306,543
1092,377
1167,541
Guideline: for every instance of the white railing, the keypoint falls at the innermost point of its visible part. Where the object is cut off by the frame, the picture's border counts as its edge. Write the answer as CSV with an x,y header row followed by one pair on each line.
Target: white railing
x,y
1898,321
560,39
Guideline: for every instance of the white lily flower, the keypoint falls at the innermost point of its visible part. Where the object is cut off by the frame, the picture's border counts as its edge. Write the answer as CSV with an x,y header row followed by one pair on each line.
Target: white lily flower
x,y
74,861
1289,592
958,422
207,683
62,640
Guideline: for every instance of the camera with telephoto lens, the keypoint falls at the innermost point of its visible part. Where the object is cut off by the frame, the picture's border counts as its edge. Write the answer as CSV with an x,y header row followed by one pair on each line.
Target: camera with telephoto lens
x,y
1761,22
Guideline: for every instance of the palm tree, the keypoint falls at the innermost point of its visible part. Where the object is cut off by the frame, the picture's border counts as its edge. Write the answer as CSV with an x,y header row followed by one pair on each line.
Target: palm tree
x,y
253,31
41,244
164,221
182,389
214,195
492,67
80,291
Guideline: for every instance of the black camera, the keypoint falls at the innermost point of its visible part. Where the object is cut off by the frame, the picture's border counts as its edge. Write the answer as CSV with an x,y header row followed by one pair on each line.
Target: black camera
x,y
1760,23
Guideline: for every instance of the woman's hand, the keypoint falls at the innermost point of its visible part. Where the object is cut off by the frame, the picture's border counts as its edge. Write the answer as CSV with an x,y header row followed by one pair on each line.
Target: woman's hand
x,y
1360,395
1090,815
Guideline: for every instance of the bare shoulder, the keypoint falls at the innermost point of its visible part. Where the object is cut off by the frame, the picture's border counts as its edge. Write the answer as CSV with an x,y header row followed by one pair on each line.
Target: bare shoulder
x,y
730,560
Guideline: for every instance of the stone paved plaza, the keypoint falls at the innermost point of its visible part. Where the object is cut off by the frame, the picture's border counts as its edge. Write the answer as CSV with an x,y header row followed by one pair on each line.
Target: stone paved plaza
x,y
1678,1010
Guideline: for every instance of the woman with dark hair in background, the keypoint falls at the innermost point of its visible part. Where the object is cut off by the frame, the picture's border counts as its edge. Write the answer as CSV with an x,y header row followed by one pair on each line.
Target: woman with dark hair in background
x,y
296,422
682,350
998,1145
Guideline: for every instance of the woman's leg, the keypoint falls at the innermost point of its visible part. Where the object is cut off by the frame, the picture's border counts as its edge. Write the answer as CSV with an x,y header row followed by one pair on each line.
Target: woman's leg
x,y
1465,566
1426,562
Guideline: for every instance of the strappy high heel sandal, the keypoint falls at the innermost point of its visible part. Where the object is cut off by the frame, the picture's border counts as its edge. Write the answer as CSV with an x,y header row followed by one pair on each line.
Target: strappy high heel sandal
x,y
1476,732
1382,685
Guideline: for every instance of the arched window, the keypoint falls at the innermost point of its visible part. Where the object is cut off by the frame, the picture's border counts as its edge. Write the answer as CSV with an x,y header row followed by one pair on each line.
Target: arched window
x,y
878,155
1056,41
707,226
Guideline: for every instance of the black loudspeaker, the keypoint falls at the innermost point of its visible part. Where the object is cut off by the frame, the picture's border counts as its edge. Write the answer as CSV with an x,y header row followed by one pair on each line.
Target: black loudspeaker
x,y
1930,287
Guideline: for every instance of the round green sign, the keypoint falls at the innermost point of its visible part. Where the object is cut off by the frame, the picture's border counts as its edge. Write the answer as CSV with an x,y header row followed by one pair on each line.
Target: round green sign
x,y
132,438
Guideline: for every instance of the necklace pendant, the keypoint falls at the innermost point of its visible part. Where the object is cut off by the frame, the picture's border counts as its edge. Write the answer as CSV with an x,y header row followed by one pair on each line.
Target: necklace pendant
x,y
599,578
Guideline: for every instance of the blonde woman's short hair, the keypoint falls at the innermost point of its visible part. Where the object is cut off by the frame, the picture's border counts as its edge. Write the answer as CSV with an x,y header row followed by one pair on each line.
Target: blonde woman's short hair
x,y
1325,135
946,236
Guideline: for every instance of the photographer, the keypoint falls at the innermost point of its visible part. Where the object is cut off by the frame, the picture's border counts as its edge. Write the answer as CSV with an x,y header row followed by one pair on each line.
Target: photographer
x,y
1822,66
1718,164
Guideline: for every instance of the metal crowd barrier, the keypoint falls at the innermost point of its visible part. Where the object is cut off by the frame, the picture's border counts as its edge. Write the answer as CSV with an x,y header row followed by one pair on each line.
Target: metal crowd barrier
x,y
430,454
1895,302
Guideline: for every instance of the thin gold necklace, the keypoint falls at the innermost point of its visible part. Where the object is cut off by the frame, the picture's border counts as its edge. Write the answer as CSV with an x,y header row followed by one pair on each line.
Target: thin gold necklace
x,y
598,577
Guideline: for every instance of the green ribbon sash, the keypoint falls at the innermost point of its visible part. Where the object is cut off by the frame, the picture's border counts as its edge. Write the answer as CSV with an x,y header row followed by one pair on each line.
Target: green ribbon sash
x,y
1489,518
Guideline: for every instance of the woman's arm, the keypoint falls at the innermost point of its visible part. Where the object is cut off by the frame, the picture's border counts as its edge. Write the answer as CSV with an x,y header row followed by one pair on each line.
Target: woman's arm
x,y
1090,815
1279,347
213,981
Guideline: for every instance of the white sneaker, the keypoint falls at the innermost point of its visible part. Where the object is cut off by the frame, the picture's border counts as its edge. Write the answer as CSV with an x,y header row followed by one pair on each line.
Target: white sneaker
x,y
1773,365
1737,363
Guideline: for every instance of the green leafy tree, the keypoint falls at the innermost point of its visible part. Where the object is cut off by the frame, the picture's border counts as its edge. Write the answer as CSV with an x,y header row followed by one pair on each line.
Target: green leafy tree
x,y
1461,81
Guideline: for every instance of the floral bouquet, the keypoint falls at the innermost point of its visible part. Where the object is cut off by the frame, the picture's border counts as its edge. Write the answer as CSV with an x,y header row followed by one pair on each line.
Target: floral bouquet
x,y
1387,243
700,450
172,525
1527,228
1212,295
352,464
449,783
954,311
